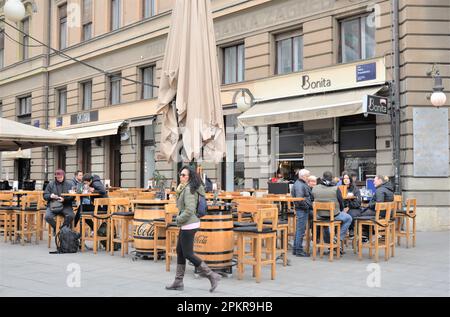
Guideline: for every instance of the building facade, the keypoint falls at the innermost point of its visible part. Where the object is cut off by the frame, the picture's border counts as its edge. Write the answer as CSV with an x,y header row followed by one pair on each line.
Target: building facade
x,y
308,63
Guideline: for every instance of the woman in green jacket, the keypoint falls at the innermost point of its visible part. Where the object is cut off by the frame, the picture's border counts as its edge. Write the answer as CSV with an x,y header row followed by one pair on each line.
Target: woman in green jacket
x,y
187,200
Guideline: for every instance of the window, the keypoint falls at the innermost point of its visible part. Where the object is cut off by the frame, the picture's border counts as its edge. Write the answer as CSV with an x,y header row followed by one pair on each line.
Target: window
x,y
25,39
149,8
62,17
86,154
233,64
148,154
148,74
115,14
115,89
2,48
357,39
86,92
87,20
289,52
233,176
24,111
62,101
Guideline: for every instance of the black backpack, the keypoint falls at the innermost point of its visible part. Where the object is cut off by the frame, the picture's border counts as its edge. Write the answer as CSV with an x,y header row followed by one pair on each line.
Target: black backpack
x,y
67,240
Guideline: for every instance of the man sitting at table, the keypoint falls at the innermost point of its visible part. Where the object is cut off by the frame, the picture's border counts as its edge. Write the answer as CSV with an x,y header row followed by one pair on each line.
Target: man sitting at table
x,y
53,193
326,191
384,193
94,186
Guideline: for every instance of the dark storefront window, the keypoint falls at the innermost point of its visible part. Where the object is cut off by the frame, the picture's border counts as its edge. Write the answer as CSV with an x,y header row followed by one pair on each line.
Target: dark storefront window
x,y
290,149
86,148
233,177
358,145
148,154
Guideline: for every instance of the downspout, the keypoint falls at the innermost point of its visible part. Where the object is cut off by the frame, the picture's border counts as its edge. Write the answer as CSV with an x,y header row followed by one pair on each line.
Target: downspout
x,y
47,84
396,101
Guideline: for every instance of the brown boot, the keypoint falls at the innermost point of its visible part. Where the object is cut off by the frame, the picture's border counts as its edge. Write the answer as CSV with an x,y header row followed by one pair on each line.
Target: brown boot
x,y
212,276
177,285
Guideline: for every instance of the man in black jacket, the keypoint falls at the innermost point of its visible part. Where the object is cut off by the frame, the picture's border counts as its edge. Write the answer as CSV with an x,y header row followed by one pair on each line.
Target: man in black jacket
x,y
302,210
95,185
383,193
53,192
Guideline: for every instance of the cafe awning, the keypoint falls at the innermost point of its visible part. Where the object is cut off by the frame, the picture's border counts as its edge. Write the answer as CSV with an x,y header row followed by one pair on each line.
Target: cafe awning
x,y
93,131
311,107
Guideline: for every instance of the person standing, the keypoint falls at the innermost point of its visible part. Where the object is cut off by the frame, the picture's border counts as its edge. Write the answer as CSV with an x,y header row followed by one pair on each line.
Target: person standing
x,y
187,194
302,210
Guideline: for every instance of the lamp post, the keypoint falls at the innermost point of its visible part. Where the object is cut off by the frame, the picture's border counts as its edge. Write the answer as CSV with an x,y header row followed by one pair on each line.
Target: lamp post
x,y
241,102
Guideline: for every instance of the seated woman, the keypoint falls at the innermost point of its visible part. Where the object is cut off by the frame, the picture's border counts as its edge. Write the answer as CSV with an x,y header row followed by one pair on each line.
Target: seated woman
x,y
352,206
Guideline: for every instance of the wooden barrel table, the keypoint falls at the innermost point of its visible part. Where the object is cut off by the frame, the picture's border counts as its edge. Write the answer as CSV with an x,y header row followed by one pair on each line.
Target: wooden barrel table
x,y
145,212
214,240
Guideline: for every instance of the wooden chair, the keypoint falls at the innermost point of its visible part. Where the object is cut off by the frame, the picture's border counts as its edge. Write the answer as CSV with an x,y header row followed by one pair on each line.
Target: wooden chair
x,y
328,223
405,217
172,232
263,239
122,217
41,212
97,216
380,235
7,210
29,219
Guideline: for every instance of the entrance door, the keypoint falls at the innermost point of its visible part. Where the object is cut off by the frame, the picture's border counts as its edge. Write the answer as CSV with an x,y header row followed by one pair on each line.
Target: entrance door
x,y
115,160
86,150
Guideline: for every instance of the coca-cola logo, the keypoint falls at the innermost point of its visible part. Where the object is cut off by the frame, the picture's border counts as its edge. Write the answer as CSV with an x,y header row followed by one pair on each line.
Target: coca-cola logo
x,y
145,230
201,239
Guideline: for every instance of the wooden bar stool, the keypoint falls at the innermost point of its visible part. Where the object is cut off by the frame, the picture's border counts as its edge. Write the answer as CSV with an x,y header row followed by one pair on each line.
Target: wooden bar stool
x,y
263,242
122,217
7,210
160,227
405,217
29,219
327,223
97,216
380,235
172,232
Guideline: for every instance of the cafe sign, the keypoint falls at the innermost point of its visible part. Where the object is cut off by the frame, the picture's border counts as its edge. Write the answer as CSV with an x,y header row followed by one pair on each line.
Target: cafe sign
x,y
375,105
327,79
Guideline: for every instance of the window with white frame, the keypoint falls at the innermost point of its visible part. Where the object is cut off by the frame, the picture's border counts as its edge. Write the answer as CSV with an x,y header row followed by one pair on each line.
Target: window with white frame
x,y
148,78
357,39
25,38
24,111
87,20
62,18
62,101
149,8
86,93
233,64
115,14
289,52
115,84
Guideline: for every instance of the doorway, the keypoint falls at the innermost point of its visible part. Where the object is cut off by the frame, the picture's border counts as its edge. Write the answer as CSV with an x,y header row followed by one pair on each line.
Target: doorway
x,y
115,160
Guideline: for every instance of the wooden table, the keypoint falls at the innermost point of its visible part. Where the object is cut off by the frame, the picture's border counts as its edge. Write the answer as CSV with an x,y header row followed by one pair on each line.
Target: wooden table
x,y
284,201
78,197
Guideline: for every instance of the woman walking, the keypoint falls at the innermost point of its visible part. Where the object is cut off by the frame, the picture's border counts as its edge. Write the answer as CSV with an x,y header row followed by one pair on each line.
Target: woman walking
x,y
187,200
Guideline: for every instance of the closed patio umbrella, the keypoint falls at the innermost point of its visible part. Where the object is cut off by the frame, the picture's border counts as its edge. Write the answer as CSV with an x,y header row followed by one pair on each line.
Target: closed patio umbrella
x,y
15,136
190,72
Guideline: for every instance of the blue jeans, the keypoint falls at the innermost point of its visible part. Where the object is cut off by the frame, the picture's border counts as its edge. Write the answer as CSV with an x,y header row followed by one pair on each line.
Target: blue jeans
x,y
302,217
346,222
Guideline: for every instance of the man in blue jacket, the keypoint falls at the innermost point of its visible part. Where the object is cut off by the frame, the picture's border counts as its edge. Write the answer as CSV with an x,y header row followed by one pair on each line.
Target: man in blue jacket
x,y
302,210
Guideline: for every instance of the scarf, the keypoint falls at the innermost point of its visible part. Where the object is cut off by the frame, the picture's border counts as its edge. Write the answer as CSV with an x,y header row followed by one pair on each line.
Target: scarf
x,y
180,189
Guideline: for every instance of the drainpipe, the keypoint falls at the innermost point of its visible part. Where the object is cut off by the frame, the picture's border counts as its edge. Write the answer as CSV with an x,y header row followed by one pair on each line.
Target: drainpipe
x,y
47,83
396,96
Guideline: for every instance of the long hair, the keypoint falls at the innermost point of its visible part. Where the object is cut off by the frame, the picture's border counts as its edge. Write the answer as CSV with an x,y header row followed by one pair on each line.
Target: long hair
x,y
351,185
194,179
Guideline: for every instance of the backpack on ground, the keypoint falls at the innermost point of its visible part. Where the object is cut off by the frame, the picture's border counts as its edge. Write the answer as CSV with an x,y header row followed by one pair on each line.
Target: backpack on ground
x,y
67,240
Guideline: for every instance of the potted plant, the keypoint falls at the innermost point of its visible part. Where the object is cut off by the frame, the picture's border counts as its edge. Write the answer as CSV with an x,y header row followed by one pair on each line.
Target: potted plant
x,y
160,184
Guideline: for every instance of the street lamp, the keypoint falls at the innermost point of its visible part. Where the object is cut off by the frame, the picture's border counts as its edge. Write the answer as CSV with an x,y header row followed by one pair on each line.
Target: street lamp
x,y
241,101
14,10
437,98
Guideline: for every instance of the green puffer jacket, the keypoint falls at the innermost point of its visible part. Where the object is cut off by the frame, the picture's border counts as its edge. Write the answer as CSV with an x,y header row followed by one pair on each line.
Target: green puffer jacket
x,y
187,205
